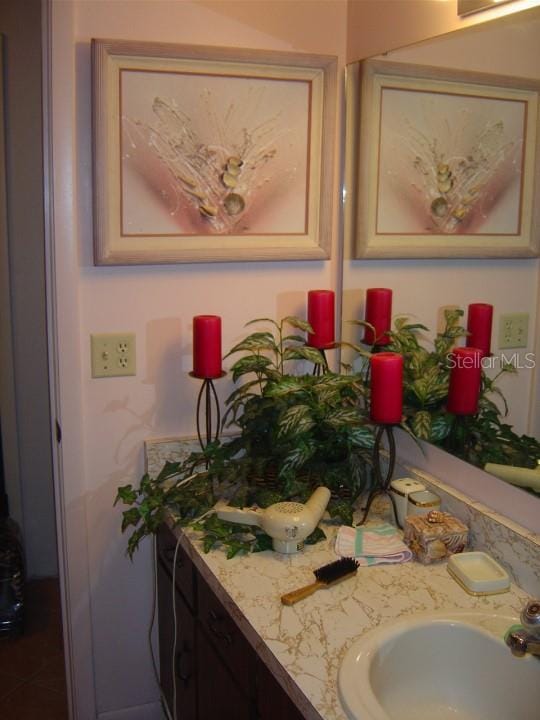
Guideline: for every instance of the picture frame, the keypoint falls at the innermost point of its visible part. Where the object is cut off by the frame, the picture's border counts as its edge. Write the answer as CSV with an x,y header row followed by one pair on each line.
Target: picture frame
x,y
446,163
207,154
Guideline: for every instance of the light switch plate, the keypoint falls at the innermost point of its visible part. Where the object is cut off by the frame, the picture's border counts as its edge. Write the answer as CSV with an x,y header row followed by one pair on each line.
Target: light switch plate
x,y
112,354
513,330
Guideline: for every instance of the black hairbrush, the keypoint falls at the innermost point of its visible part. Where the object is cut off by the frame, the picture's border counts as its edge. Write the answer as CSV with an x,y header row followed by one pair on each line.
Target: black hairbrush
x,y
325,576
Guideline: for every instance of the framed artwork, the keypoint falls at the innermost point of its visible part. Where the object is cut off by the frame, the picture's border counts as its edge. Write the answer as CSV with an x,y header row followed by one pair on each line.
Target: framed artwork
x,y
211,154
447,163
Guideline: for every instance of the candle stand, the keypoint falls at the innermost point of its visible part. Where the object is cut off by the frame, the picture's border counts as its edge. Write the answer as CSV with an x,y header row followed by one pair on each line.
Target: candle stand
x,y
382,483
208,412
322,368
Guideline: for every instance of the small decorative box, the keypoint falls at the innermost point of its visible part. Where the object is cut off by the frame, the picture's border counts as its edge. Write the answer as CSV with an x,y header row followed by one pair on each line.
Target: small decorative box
x,y
434,536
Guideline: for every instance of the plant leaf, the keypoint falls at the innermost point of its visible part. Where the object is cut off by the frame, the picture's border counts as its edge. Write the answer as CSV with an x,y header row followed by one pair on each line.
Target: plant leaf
x,y
126,494
130,517
421,424
440,427
362,437
304,352
343,417
284,386
250,363
296,419
298,323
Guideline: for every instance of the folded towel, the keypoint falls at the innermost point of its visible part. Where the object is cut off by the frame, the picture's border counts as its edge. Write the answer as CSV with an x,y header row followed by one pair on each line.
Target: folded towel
x,y
373,545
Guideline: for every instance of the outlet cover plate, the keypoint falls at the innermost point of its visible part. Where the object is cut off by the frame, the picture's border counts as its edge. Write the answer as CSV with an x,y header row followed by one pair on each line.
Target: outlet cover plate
x,y
112,354
513,330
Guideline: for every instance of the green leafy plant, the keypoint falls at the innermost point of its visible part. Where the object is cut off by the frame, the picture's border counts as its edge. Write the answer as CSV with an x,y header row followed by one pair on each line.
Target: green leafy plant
x,y
294,431
478,439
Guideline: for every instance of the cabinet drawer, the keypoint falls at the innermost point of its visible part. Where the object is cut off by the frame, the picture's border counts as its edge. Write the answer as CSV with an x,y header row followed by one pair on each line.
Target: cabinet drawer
x,y
184,572
226,637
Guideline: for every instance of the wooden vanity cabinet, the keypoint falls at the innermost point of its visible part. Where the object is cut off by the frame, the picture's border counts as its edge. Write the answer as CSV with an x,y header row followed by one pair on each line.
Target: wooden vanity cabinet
x,y
218,674
273,703
182,667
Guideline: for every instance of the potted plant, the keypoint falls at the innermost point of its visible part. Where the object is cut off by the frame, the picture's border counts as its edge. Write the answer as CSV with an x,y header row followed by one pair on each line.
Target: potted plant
x,y
294,431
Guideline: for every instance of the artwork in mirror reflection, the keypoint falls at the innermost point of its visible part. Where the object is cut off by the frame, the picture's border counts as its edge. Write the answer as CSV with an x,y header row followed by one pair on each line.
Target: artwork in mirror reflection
x,y
449,163
453,155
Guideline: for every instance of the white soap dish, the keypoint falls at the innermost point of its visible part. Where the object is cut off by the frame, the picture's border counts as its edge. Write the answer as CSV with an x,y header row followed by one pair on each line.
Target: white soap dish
x,y
478,573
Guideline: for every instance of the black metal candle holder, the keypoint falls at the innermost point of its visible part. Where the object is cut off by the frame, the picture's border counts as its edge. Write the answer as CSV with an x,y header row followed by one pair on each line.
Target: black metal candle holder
x,y
322,368
382,483
207,411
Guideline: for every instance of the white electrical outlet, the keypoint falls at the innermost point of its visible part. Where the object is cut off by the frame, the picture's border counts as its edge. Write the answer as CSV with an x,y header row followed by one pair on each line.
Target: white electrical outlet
x,y
513,330
112,354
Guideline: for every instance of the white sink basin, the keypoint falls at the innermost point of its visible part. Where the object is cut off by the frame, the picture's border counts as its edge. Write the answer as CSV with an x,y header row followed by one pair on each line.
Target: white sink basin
x,y
451,666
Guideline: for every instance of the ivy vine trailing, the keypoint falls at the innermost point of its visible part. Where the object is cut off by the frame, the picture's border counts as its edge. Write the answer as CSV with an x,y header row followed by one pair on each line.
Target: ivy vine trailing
x,y
294,431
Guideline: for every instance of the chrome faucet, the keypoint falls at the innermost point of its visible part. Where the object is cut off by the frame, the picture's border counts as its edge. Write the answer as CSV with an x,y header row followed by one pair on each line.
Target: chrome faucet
x,y
525,639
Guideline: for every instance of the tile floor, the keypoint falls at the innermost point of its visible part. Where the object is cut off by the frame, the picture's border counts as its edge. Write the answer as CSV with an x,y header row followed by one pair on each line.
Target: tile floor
x,y
32,677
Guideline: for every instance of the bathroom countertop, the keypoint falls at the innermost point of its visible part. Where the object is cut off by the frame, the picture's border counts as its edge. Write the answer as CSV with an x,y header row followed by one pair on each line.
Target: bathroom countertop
x,y
304,644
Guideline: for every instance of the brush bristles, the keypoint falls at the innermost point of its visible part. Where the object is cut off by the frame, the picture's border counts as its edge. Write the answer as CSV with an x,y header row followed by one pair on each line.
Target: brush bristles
x,y
336,570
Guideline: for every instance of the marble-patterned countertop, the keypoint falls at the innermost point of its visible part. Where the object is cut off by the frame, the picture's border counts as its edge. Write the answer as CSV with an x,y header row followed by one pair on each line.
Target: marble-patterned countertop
x,y
304,644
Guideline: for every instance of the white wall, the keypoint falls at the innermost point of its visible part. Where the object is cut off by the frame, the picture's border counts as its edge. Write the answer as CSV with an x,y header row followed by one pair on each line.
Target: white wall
x,y
105,421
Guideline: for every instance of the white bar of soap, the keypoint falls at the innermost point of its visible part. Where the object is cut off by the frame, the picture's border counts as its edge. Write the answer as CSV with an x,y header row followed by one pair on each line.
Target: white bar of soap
x,y
478,573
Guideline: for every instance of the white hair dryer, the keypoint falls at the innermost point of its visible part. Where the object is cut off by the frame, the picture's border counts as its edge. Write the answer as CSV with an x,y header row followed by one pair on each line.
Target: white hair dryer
x,y
287,523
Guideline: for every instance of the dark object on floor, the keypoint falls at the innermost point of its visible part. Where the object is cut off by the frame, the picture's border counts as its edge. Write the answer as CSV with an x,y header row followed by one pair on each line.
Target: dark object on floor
x,y
11,579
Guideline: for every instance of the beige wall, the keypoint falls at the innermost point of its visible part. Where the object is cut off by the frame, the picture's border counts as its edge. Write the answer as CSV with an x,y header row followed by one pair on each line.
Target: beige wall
x,y
375,26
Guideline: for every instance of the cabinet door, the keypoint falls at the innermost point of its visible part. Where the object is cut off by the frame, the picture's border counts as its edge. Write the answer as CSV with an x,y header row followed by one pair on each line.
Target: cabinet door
x,y
272,701
219,695
184,572
179,670
226,637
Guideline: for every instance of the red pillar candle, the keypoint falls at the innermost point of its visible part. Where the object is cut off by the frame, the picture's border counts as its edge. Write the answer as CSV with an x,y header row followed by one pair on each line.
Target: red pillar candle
x,y
379,314
207,346
465,380
386,387
321,318
479,321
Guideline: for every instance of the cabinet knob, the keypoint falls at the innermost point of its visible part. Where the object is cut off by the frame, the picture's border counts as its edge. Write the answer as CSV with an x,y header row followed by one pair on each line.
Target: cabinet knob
x,y
182,665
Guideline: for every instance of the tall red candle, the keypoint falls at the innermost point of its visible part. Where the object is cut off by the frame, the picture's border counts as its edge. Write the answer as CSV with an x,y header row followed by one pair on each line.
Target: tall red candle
x,y
321,318
207,346
386,387
379,314
479,321
465,380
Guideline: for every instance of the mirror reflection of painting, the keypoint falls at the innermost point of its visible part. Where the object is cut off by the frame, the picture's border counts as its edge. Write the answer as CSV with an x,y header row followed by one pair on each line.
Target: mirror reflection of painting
x,y
449,163
213,155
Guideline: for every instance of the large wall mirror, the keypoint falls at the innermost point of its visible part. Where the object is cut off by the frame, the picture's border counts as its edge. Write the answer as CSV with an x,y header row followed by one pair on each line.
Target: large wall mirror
x,y
423,286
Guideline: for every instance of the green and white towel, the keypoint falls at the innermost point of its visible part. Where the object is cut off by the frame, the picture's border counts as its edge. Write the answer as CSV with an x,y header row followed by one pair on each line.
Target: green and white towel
x,y
372,545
